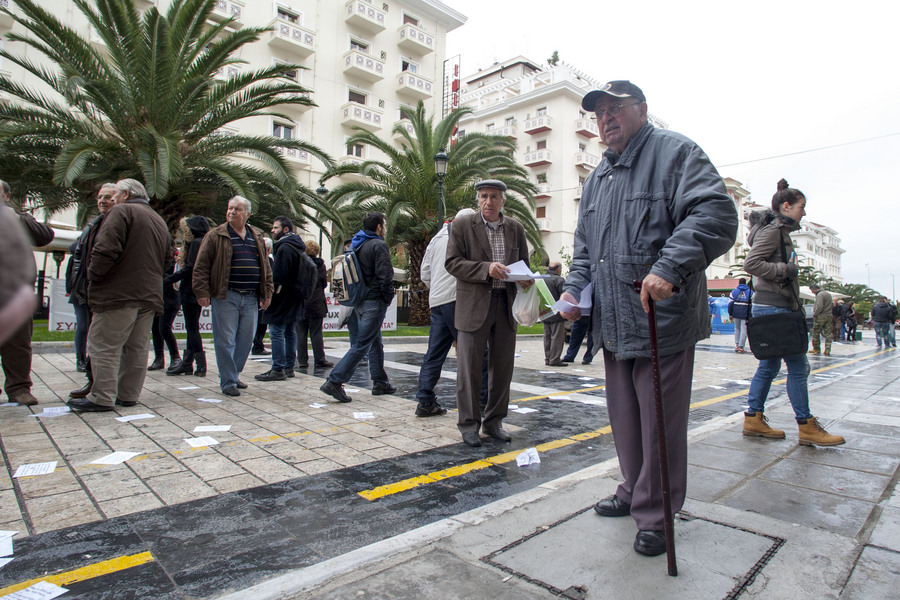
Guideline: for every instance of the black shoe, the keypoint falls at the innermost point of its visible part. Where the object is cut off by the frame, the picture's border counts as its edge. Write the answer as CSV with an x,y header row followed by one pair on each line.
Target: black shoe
x,y
157,364
432,410
336,391
260,352
85,405
231,391
175,365
302,365
324,364
498,433
289,373
271,375
80,363
82,392
472,439
380,389
125,403
558,364
241,385
566,359
650,543
585,362
612,507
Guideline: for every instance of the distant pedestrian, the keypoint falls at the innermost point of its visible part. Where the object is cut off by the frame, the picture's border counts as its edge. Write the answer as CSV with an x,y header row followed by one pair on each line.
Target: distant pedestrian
x,y
821,319
554,330
262,325
837,312
580,329
850,321
777,291
881,316
739,309
313,316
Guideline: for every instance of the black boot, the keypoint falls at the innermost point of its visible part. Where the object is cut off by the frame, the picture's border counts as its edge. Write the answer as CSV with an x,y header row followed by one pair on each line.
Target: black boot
x,y
157,364
174,365
200,357
82,392
186,365
80,360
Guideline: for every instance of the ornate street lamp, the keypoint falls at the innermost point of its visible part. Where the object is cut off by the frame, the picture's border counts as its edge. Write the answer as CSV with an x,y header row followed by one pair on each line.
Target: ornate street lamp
x,y
441,160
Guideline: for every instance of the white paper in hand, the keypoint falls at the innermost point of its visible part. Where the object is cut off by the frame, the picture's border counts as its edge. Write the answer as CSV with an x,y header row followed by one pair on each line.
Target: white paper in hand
x,y
519,271
586,301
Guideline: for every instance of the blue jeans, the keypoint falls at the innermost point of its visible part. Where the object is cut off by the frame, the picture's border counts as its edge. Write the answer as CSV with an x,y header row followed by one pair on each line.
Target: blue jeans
x,y
283,339
82,323
441,336
234,324
580,328
369,316
798,374
883,334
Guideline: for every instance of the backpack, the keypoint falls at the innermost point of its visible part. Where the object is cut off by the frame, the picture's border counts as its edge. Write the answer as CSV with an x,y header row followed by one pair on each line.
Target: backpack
x,y
307,277
347,283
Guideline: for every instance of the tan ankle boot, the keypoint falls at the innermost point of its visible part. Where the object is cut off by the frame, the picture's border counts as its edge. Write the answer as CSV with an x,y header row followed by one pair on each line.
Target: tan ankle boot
x,y
811,433
757,424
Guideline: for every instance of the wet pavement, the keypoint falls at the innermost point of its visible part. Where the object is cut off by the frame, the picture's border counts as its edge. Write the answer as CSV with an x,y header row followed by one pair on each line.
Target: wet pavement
x,y
317,502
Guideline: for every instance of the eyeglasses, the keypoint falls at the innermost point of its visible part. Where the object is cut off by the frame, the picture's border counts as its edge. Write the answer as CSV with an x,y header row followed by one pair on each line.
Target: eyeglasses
x,y
612,110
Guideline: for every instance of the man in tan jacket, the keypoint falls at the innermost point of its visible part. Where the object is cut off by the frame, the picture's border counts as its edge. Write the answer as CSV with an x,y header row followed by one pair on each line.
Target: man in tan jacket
x,y
821,319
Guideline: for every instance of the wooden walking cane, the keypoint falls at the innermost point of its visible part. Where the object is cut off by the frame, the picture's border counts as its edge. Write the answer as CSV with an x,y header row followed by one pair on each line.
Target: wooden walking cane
x,y
668,520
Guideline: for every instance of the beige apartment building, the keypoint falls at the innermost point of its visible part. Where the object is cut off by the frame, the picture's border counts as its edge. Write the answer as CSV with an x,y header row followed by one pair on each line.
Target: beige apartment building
x,y
364,62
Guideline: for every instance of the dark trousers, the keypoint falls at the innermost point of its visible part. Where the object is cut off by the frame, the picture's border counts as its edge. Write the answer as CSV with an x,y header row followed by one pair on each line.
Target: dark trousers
x,y
82,323
632,414
498,336
313,329
580,328
161,330
191,311
441,336
261,327
16,356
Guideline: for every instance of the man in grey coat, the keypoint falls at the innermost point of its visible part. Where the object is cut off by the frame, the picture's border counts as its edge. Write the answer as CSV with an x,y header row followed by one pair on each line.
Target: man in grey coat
x,y
654,210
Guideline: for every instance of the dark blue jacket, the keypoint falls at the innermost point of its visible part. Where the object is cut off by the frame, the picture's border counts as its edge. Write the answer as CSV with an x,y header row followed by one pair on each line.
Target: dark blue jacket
x,y
741,296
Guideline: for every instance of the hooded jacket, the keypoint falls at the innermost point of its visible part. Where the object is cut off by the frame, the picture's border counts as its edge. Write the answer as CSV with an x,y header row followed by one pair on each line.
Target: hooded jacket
x,y
773,278
192,231
741,296
286,301
375,262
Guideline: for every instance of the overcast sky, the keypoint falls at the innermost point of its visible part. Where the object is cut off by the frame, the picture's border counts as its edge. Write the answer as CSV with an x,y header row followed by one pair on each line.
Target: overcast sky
x,y
746,81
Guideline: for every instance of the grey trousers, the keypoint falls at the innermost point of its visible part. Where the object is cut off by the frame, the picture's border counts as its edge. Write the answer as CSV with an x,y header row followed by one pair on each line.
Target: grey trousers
x,y
117,343
500,338
554,340
632,414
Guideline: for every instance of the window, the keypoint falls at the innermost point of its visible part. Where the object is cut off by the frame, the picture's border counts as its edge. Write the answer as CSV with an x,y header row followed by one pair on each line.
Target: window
x,y
540,212
406,113
410,20
542,111
542,145
356,150
489,127
292,74
408,65
542,178
361,46
510,121
357,97
285,132
287,15
461,133
582,147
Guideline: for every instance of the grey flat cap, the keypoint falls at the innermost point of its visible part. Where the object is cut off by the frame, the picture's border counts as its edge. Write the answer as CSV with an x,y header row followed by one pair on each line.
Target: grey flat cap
x,y
494,183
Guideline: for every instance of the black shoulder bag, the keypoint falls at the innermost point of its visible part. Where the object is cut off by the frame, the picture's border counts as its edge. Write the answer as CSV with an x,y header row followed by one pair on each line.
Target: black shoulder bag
x,y
780,334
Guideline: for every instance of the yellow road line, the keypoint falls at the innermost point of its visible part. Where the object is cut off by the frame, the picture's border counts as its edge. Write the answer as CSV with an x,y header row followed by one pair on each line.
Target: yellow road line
x,y
89,572
581,391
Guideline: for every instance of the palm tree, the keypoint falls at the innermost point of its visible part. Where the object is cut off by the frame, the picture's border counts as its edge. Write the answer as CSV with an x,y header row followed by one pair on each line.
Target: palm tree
x,y
152,102
404,187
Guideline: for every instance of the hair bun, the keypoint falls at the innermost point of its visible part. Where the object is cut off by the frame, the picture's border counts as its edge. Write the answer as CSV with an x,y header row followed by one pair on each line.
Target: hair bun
x,y
782,184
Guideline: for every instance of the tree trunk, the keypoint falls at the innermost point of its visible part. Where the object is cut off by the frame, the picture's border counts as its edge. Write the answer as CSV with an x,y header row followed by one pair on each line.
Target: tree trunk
x,y
419,311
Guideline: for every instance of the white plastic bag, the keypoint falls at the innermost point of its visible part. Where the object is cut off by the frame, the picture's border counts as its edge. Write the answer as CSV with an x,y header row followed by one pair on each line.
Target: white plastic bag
x,y
527,306
344,313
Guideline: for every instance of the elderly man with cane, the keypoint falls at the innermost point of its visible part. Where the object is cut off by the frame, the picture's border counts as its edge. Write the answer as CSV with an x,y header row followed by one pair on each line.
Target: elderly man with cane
x,y
654,211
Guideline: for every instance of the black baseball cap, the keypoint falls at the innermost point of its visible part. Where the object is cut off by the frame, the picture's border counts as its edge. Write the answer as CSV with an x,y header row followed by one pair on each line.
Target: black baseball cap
x,y
620,88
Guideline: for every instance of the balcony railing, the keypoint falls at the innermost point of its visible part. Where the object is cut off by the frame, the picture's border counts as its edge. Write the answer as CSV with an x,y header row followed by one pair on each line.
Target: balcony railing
x,y
365,16
364,66
228,9
538,124
227,72
415,39
505,131
414,86
5,19
300,108
587,128
538,157
407,125
290,36
357,115
299,158
586,160
543,224
543,190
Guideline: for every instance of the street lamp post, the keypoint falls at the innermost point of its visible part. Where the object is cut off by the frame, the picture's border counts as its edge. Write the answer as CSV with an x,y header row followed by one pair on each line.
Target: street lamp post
x,y
440,168
893,293
868,277
321,192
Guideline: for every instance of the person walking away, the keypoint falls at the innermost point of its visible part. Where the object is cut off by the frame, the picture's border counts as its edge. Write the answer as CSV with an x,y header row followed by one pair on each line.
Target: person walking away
x,y
821,319
554,330
881,316
739,309
192,231
892,324
836,320
313,315
850,321
777,291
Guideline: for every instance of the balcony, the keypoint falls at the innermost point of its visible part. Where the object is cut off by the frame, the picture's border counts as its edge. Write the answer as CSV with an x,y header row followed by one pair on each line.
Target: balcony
x,y
363,66
538,124
587,128
586,160
228,9
543,224
357,115
6,21
297,108
414,86
365,16
298,158
291,37
405,124
505,131
351,160
543,190
537,158
227,72
416,40
4,97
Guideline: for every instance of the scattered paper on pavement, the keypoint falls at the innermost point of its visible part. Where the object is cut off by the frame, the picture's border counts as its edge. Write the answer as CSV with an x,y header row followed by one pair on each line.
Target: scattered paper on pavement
x,y
53,411
6,544
352,391
42,590
214,400
127,418
4,562
201,442
586,378
363,415
524,411
528,457
190,387
317,405
207,428
115,458
35,469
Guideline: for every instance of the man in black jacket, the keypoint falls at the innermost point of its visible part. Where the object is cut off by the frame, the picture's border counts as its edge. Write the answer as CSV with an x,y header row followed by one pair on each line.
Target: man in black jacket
x,y
286,301
378,274
15,352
